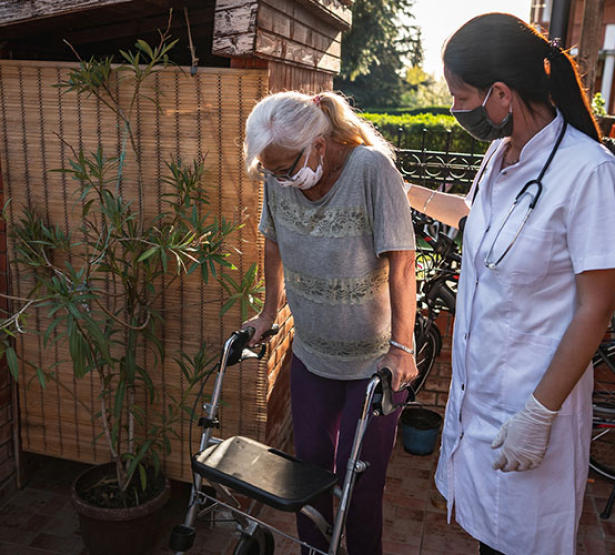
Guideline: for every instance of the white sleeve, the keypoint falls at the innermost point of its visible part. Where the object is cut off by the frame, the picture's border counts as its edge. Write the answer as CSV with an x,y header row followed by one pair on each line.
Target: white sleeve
x,y
590,224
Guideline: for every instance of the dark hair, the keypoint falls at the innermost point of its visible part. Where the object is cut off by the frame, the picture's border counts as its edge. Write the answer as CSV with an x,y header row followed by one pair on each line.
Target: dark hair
x,y
500,47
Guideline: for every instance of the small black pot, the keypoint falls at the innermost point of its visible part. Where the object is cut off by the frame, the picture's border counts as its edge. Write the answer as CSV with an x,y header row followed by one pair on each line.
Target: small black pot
x,y
420,429
125,531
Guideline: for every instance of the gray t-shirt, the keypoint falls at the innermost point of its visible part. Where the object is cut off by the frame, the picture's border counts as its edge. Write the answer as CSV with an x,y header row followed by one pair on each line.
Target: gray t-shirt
x,y
336,281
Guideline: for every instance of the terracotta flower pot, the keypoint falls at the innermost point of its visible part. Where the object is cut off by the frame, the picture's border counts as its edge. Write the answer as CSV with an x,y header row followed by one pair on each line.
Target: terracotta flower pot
x,y
122,531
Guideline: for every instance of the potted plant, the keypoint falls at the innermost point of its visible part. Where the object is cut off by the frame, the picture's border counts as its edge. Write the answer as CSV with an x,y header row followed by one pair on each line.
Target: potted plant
x,y
99,289
605,120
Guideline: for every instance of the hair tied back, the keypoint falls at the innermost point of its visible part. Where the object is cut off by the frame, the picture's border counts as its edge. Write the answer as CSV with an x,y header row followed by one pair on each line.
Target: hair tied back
x,y
555,49
317,99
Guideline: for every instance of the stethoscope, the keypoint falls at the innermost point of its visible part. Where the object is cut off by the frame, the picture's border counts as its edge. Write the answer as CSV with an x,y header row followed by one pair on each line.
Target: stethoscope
x,y
490,262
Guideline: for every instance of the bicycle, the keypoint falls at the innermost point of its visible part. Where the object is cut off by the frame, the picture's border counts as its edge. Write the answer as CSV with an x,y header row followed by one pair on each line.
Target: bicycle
x,y
602,453
268,476
436,292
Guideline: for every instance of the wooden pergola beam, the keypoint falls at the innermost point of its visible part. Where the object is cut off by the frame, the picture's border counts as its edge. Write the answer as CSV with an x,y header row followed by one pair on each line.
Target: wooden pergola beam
x,y
590,43
15,11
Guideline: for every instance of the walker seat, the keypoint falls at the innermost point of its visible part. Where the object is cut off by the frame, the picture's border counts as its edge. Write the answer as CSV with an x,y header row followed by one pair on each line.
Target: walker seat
x,y
263,473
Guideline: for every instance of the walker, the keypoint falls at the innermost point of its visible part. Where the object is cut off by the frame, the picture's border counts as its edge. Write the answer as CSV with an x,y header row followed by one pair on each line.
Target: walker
x,y
266,475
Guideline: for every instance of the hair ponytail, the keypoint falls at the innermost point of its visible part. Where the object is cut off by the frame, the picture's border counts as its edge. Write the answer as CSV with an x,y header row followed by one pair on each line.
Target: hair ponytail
x,y
501,47
567,93
348,128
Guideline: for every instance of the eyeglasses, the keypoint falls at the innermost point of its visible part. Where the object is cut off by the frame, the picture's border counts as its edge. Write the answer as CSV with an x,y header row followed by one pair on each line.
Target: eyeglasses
x,y
284,175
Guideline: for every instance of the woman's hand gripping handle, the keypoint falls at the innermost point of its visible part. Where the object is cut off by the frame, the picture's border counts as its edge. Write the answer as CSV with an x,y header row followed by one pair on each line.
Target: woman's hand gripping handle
x,y
262,326
383,401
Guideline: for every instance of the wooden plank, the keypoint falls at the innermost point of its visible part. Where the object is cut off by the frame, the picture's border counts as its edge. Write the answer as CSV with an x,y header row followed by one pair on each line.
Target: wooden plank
x,y
283,76
269,19
332,13
335,12
591,37
234,29
272,46
234,46
13,11
298,12
236,19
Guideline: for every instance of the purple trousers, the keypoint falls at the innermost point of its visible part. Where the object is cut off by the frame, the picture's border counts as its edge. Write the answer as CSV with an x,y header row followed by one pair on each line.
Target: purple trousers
x,y
325,414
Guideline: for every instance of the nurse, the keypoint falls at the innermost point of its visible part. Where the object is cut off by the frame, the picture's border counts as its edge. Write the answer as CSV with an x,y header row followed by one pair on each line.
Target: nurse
x,y
536,292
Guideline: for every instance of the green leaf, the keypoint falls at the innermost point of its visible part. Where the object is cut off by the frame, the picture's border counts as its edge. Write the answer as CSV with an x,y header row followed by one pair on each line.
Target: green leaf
x,y
11,359
148,253
228,304
120,393
41,376
77,350
142,45
143,477
86,208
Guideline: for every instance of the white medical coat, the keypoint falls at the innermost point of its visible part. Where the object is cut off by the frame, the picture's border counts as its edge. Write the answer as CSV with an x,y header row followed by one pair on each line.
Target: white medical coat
x,y
509,322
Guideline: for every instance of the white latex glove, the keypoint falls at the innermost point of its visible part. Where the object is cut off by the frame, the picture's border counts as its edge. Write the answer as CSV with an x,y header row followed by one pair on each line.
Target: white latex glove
x,y
524,438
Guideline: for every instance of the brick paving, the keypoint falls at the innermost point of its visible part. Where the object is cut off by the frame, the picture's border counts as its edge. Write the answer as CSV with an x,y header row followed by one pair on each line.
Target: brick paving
x,y
39,520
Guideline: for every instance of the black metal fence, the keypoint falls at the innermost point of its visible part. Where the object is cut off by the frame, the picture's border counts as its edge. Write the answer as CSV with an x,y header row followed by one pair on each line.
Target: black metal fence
x,y
438,169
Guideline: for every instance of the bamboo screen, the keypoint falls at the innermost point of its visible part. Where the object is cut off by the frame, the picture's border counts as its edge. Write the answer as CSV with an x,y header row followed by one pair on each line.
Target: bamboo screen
x,y
201,115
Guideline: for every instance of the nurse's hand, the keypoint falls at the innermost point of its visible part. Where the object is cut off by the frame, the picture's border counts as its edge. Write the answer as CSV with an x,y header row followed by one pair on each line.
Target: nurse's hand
x,y
524,438
402,365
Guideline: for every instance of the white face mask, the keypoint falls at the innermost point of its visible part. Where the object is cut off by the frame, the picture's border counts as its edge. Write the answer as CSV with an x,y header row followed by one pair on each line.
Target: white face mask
x,y
305,178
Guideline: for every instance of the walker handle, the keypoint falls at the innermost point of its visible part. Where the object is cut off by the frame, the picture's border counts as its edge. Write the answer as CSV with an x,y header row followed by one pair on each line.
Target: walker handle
x,y
383,402
240,338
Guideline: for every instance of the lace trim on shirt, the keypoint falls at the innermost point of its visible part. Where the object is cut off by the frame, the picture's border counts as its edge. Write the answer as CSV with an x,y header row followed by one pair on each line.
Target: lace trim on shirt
x,y
352,291
337,222
344,350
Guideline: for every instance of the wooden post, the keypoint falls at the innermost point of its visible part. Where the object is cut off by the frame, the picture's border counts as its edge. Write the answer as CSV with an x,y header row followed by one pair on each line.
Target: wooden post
x,y
591,38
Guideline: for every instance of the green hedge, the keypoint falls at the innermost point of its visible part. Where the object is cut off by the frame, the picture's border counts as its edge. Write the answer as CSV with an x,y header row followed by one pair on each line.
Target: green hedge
x,y
442,131
412,111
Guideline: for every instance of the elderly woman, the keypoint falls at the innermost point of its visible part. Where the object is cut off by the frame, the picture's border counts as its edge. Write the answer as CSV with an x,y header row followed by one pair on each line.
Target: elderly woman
x,y
339,238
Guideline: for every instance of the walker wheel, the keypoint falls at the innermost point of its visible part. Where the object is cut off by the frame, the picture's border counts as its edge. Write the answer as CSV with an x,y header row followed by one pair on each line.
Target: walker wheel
x,y
262,543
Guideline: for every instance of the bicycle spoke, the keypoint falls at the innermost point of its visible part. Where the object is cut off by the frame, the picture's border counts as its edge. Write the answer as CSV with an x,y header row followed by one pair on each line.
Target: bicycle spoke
x,y
602,454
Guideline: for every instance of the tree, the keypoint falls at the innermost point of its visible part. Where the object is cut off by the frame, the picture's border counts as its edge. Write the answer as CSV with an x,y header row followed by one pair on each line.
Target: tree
x,y
382,41
425,90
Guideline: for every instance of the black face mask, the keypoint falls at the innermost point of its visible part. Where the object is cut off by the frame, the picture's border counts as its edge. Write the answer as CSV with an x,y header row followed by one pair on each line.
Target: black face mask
x,y
477,123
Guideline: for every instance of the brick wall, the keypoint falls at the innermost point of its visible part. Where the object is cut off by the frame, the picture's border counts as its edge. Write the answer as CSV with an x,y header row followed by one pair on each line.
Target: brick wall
x,y
435,392
7,453
279,420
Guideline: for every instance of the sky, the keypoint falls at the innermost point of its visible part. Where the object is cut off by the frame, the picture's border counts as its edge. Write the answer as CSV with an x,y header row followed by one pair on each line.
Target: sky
x,y
438,19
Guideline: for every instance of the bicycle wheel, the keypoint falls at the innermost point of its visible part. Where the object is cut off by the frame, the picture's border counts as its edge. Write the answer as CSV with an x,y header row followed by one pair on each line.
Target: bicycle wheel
x,y
602,452
427,343
261,543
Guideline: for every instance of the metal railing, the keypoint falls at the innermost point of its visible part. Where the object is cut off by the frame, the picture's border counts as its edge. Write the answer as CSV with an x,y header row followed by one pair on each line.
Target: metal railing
x,y
442,169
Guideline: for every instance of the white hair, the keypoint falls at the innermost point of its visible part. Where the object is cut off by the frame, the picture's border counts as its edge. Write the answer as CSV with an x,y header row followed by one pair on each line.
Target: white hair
x,y
293,120
289,119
